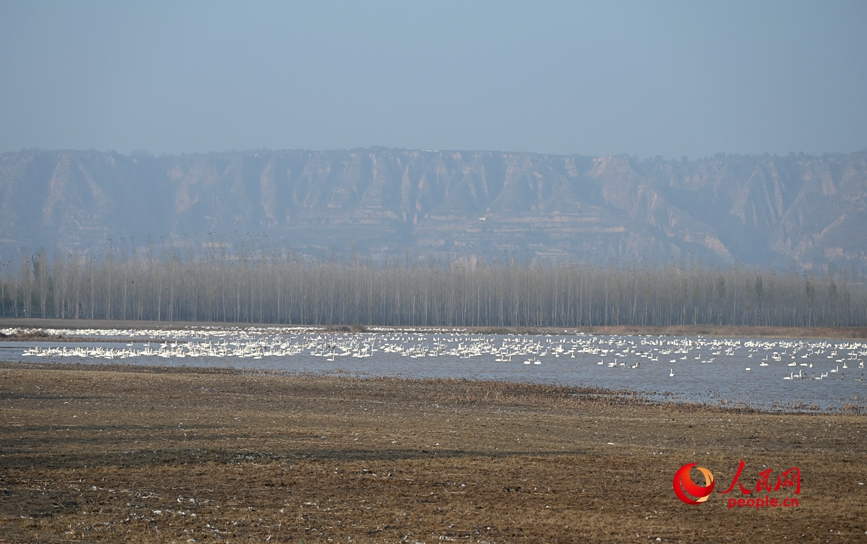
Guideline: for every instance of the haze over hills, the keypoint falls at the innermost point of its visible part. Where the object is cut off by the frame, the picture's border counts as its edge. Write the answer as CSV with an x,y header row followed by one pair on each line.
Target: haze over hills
x,y
802,210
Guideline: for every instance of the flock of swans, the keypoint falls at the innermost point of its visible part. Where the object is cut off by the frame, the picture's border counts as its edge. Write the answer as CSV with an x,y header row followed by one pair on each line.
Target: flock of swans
x,y
799,359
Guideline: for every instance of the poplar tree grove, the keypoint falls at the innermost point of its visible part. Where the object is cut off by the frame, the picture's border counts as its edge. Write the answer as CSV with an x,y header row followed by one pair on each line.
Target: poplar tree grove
x,y
255,283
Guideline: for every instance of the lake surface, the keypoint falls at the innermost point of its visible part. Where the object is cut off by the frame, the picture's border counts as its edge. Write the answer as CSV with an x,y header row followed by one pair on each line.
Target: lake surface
x,y
762,373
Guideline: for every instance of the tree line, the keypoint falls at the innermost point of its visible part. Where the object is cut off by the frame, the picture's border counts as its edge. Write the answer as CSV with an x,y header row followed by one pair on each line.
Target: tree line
x,y
255,283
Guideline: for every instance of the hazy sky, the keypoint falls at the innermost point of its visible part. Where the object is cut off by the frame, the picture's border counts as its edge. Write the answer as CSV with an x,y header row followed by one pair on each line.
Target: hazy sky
x,y
654,78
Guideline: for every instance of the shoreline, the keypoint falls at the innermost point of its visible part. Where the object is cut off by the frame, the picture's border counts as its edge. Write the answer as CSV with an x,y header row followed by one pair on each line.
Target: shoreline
x,y
720,331
639,398
103,454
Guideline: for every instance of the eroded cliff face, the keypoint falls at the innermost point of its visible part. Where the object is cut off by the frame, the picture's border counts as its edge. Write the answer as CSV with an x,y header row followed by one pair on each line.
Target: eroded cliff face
x,y
802,210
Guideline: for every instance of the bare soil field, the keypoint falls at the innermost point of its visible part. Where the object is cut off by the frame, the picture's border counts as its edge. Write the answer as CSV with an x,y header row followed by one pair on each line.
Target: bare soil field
x,y
99,453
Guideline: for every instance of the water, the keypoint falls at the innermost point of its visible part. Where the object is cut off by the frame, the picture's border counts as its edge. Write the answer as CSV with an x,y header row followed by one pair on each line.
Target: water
x,y
710,370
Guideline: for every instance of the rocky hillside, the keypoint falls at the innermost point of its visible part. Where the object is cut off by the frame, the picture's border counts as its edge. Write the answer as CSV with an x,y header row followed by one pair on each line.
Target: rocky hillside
x,y
803,210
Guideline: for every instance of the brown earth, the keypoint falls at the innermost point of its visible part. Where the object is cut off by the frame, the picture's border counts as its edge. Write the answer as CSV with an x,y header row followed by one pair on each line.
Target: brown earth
x,y
95,453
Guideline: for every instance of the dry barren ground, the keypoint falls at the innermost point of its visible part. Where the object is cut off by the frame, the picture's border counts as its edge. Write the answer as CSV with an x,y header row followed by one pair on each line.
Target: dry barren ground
x,y
132,454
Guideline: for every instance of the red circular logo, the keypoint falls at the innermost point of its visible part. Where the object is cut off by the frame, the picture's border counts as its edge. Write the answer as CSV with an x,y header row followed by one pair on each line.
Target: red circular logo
x,y
683,484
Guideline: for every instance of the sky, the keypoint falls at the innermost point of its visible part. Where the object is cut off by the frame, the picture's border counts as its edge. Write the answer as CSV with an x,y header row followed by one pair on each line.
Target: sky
x,y
644,78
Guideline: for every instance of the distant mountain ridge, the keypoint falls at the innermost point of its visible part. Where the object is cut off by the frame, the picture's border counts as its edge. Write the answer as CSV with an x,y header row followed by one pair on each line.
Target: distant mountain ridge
x,y
801,210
